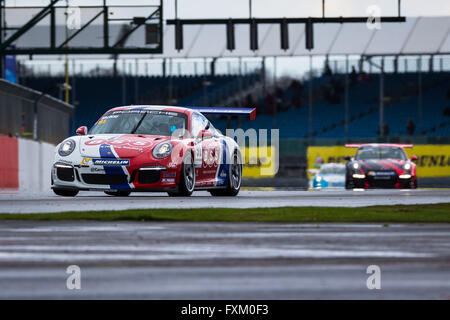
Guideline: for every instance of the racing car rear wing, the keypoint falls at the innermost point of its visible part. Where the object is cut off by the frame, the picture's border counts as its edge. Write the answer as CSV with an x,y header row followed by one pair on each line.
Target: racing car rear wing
x,y
227,111
357,145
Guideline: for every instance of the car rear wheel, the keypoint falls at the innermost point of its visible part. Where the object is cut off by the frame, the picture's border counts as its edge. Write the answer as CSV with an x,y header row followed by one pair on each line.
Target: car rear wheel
x,y
187,178
65,192
120,193
235,179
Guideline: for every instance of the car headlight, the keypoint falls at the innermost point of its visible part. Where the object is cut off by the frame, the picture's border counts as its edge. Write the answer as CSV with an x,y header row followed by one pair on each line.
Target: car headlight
x,y
319,178
162,150
355,165
66,148
407,166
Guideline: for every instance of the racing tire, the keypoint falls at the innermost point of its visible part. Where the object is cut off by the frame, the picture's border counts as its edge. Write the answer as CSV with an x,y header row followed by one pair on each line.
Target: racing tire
x,y
349,185
66,192
187,178
120,193
235,179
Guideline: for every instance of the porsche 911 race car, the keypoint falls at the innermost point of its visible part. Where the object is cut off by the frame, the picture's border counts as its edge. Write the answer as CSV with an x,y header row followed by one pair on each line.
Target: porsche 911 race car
x,y
380,166
330,175
150,148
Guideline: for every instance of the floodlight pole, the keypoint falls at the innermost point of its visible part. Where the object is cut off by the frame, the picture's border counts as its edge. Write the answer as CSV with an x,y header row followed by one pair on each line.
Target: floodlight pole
x,y
381,96
381,100
66,67
1,38
310,102
346,97
323,8
419,95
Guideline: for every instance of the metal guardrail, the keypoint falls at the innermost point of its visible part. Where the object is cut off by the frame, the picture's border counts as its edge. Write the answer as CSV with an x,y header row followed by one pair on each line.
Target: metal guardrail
x,y
31,114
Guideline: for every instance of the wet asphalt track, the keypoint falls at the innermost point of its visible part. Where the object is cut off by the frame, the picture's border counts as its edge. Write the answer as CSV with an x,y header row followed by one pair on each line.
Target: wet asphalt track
x,y
132,260
14,202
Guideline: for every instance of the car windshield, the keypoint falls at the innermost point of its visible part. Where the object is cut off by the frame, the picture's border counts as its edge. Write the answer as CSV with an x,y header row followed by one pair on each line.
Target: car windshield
x,y
151,122
380,153
333,170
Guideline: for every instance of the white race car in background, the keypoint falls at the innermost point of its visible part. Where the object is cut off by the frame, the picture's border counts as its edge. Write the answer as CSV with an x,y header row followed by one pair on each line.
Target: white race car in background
x,y
330,175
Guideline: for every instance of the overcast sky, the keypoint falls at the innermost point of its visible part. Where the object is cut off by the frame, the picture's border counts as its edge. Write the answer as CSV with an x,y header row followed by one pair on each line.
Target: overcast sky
x,y
275,8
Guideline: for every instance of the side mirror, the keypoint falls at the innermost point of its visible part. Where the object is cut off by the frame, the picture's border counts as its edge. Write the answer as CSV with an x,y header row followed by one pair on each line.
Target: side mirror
x,y
347,158
204,134
82,131
414,158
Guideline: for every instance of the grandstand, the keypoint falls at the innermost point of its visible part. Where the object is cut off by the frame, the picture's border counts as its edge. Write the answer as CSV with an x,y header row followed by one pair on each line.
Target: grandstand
x,y
401,103
95,95
283,108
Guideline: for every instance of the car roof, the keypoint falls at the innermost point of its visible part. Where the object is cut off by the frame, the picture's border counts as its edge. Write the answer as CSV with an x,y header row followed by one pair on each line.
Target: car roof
x,y
384,145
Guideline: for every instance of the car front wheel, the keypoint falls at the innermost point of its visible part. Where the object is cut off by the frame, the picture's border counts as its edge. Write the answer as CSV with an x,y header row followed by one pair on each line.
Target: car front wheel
x,y
187,178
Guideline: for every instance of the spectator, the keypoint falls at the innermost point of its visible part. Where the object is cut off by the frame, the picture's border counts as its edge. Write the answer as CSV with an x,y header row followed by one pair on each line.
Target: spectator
x,y
363,77
410,127
385,128
249,101
353,76
446,112
327,70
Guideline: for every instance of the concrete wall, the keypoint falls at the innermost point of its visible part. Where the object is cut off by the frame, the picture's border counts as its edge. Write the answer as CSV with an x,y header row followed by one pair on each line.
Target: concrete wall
x,y
27,166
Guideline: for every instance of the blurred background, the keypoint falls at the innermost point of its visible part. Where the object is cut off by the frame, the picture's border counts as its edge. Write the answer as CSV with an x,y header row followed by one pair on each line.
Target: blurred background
x,y
322,81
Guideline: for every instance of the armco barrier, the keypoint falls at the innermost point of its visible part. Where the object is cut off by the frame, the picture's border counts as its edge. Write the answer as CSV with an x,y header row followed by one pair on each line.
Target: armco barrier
x,y
25,164
17,106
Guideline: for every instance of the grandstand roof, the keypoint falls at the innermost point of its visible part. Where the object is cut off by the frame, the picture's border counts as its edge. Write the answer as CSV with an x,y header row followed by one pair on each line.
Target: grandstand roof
x,y
418,35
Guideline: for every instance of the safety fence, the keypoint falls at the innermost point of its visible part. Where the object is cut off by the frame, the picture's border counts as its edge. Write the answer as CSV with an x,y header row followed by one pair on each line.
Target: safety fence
x,y
27,113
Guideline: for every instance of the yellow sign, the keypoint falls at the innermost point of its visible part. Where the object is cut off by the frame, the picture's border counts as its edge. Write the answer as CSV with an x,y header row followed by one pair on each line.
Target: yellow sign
x,y
259,162
434,160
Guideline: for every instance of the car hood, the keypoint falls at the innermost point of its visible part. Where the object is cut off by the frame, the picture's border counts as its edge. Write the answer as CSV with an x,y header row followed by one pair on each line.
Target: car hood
x,y
117,145
382,164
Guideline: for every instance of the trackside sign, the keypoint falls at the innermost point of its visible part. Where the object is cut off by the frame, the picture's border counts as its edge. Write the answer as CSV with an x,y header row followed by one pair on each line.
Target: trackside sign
x,y
434,160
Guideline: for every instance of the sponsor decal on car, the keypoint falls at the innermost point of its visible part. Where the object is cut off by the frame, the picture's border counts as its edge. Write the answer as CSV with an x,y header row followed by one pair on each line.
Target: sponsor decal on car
x,y
169,174
381,173
85,162
110,162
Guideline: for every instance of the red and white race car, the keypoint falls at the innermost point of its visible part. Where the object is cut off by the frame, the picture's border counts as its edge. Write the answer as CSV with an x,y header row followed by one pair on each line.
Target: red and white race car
x,y
150,148
380,166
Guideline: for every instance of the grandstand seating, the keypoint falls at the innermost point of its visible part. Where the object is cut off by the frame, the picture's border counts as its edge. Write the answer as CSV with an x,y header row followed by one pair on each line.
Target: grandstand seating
x,y
97,94
401,104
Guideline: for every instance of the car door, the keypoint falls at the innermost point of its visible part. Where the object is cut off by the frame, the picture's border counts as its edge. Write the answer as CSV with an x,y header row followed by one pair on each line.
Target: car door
x,y
207,152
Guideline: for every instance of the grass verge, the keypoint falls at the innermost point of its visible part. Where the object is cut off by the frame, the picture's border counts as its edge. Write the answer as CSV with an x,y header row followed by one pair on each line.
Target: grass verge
x,y
431,213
